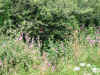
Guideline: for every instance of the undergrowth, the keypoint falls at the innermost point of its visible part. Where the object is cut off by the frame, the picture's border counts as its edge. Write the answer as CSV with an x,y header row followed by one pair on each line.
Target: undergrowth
x,y
59,58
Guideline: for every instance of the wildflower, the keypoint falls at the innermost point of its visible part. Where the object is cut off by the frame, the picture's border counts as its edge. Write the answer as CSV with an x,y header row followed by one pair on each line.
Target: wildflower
x,y
94,70
92,42
88,65
76,68
82,27
0,63
53,68
49,65
20,38
82,64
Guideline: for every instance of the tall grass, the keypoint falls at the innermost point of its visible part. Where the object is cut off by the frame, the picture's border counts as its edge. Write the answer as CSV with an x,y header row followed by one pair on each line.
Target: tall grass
x,y
59,58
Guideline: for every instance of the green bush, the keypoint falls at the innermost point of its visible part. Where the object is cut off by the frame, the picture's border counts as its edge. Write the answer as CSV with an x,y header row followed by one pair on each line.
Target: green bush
x,y
37,18
48,18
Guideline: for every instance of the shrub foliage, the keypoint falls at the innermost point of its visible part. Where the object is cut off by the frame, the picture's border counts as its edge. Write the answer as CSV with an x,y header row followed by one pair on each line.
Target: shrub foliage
x,y
47,18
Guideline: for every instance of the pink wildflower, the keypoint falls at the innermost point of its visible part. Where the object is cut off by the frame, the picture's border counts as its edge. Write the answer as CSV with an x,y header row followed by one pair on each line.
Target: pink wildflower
x,y
53,68
0,63
20,38
92,42
49,65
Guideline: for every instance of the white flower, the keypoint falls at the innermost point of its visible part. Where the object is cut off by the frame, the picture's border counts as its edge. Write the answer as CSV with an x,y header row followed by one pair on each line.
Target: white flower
x,y
82,64
76,69
88,65
94,70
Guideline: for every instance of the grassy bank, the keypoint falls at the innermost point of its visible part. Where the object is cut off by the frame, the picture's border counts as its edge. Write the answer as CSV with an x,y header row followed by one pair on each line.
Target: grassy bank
x,y
79,56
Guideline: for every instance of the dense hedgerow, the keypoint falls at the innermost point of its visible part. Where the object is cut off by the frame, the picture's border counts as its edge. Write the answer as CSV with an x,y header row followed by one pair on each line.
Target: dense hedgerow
x,y
48,18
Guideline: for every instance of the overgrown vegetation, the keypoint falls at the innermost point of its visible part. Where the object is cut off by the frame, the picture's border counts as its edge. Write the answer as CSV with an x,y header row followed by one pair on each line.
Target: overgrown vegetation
x,y
48,18
49,37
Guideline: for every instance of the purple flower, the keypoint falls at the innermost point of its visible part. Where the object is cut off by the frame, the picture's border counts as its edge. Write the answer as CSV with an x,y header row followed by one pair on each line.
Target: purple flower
x,y
20,38
49,65
92,42
82,27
